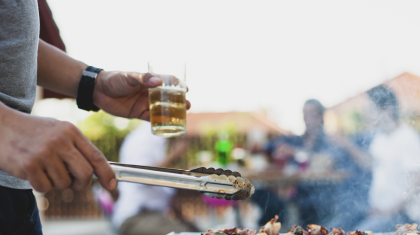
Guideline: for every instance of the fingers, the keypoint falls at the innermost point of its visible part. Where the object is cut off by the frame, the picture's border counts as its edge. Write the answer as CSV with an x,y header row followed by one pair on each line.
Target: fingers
x,y
145,115
188,105
38,178
57,172
79,168
97,161
153,80
146,79
48,170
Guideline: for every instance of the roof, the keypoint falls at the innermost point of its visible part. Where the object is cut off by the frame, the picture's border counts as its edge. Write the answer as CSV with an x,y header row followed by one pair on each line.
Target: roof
x,y
199,123
405,86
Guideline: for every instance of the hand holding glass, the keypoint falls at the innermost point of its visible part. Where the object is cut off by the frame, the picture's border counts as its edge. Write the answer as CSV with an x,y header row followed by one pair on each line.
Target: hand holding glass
x,y
168,107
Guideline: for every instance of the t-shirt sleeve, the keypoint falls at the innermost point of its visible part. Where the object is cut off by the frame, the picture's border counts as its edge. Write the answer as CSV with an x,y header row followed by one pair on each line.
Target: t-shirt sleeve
x,y
410,156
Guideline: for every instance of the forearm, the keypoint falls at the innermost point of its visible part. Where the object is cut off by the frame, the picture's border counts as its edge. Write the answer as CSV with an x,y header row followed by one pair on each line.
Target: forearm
x,y
57,71
6,113
362,158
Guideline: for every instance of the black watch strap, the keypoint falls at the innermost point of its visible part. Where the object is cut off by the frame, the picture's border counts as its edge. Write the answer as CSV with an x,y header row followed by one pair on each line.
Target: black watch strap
x,y
85,91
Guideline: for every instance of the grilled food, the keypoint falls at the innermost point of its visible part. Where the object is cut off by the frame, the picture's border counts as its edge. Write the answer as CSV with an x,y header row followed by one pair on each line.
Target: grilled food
x,y
314,229
358,232
337,231
271,228
407,229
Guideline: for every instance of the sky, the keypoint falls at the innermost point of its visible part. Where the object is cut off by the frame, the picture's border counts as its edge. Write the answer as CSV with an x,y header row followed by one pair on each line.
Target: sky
x,y
250,55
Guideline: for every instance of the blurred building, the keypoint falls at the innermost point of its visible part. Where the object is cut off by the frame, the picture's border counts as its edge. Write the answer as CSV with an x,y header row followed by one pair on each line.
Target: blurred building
x,y
198,124
348,116
203,129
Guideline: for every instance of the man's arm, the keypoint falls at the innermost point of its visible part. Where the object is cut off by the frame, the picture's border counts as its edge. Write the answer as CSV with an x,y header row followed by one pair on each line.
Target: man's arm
x,y
123,94
359,156
57,71
49,153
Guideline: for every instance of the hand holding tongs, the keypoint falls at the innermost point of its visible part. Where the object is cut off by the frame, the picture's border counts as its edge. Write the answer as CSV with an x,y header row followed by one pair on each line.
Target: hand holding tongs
x,y
209,181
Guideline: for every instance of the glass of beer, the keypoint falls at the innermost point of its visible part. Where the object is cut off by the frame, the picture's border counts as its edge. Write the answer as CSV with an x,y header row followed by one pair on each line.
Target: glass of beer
x,y
168,107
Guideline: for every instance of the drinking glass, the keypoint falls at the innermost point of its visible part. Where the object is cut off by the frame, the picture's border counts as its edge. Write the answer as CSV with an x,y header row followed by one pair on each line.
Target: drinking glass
x,y
168,107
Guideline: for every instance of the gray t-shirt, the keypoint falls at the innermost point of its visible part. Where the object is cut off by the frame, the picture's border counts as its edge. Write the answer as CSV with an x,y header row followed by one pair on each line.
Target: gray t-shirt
x,y
19,37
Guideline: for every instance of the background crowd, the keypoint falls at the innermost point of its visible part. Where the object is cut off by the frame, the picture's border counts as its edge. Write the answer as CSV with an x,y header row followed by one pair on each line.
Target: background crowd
x,y
375,188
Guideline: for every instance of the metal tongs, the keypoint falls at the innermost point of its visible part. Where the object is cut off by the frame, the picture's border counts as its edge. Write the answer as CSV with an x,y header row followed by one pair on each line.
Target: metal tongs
x,y
212,182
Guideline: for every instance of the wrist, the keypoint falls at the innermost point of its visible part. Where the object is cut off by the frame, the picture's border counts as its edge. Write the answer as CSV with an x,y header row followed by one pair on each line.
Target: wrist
x,y
98,86
85,92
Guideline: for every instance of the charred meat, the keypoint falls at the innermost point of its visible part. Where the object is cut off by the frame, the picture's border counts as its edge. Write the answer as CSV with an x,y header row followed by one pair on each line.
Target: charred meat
x,y
231,231
337,231
314,229
407,229
297,230
357,232
271,228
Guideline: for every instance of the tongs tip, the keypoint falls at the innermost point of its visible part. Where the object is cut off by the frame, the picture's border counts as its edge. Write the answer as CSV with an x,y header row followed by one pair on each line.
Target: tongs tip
x,y
218,171
244,186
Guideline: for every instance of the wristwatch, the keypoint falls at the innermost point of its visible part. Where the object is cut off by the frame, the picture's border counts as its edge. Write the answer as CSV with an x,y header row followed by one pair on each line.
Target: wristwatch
x,y
84,98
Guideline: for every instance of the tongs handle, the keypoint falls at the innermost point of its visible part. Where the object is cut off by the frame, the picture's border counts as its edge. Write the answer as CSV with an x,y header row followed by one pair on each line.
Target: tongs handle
x,y
206,181
169,179
152,168
200,171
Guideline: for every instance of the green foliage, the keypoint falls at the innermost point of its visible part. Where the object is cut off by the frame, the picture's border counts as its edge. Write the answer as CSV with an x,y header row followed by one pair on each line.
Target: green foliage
x,y
207,142
107,132
358,120
352,121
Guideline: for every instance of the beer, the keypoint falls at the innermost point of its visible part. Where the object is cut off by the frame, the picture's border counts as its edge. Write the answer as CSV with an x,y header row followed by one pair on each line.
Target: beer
x,y
168,111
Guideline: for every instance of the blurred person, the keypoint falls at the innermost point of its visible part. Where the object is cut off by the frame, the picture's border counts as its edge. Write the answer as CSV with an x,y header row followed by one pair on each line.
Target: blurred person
x,y
315,201
266,198
352,193
43,153
140,209
256,139
285,148
394,158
